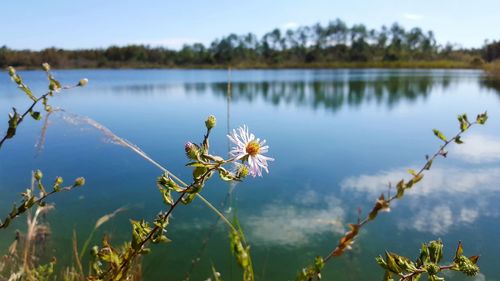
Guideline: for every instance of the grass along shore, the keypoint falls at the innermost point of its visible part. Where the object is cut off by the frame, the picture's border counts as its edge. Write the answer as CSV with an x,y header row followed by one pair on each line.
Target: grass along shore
x,y
493,68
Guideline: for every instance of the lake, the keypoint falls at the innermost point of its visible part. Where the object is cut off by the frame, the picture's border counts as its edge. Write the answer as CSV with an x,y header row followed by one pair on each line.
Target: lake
x,y
339,138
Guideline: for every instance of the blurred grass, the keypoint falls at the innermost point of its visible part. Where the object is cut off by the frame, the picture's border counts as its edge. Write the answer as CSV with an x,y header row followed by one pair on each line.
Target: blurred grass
x,y
493,68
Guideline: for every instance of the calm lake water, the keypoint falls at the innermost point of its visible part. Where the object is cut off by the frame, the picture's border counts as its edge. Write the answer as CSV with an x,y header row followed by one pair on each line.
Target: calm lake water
x,y
338,137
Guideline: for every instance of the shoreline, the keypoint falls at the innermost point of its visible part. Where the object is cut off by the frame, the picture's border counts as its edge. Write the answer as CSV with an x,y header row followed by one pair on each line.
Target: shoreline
x,y
445,64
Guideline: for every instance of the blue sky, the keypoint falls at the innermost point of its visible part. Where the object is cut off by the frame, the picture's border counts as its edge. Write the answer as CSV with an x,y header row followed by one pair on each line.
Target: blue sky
x,y
36,24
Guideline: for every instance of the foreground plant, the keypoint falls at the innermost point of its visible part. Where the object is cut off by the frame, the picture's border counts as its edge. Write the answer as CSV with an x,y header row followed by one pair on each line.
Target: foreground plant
x,y
241,250
383,204
29,199
23,260
428,263
15,118
114,264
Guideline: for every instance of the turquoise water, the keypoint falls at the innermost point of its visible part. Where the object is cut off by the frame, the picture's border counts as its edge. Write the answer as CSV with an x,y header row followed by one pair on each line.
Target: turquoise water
x,y
338,137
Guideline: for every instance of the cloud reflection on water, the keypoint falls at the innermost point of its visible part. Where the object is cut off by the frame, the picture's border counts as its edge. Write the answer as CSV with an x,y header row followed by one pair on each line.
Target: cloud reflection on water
x,y
447,197
478,149
293,224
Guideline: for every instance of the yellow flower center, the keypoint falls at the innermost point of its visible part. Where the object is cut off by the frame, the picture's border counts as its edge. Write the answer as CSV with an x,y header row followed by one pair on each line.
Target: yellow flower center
x,y
253,148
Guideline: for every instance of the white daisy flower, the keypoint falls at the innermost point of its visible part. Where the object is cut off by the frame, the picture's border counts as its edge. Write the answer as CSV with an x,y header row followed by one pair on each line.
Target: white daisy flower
x,y
250,149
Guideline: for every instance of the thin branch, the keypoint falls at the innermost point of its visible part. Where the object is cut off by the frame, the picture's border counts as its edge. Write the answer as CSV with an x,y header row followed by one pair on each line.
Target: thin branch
x,y
38,201
35,102
349,237
164,218
409,276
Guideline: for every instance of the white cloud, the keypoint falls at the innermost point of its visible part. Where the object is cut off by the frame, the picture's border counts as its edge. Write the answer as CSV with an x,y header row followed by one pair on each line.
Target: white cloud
x,y
478,149
413,16
290,25
286,224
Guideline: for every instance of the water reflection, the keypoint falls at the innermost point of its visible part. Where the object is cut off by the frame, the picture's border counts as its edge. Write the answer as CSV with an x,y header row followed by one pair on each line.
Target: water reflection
x,y
439,219
330,95
491,84
478,149
293,224
144,88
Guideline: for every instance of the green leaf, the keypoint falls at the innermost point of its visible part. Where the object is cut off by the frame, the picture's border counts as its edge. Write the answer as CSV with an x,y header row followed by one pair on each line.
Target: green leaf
x,y
27,91
412,172
482,118
417,178
435,278
319,263
188,199
436,251
391,263
440,135
424,256
380,260
226,175
140,230
167,196
198,172
464,122
36,115
400,186
428,165
14,118
460,250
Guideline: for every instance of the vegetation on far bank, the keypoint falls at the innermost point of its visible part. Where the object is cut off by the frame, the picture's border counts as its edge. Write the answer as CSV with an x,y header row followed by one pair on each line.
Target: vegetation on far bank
x,y
493,68
437,64
334,45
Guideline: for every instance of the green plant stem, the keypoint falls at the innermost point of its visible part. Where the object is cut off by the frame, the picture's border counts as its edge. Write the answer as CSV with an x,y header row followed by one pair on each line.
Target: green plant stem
x,y
167,214
409,276
150,235
35,102
36,202
87,243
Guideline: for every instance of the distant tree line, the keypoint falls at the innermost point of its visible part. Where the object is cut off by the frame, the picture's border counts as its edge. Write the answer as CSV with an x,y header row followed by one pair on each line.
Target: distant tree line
x,y
491,51
307,45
